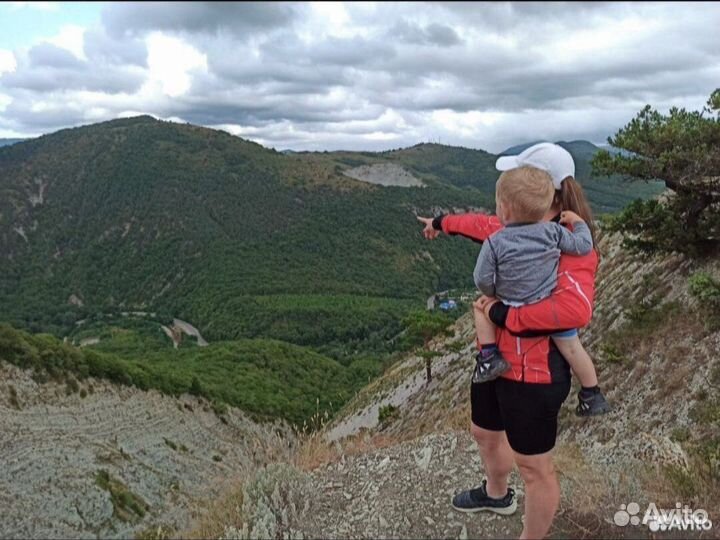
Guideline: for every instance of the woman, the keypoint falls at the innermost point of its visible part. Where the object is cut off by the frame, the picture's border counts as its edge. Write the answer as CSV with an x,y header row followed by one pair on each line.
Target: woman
x,y
514,418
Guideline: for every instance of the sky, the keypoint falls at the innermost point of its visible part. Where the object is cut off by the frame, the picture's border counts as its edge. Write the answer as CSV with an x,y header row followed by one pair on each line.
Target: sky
x,y
357,76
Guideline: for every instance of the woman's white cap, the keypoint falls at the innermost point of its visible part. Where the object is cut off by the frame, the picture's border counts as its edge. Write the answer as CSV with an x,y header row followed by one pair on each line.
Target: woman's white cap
x,y
549,157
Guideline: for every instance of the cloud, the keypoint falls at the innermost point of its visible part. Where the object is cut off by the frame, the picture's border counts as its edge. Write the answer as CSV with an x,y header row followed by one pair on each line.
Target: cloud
x,y
99,47
46,68
432,34
171,62
370,76
7,61
233,17
71,38
38,6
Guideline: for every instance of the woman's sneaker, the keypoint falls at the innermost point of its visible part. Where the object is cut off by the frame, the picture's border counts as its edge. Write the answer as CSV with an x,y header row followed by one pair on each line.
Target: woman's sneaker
x,y
489,367
591,403
477,500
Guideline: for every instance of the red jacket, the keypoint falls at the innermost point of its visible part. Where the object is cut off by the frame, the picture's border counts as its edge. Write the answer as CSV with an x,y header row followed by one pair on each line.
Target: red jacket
x,y
536,359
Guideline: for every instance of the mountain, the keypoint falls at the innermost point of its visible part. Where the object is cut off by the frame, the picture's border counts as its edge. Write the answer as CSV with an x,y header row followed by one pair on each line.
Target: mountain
x,y
138,214
8,142
514,150
606,193
581,150
243,241
120,236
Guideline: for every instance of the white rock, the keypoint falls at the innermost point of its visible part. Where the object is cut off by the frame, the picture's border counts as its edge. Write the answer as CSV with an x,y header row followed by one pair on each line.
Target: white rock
x,y
424,460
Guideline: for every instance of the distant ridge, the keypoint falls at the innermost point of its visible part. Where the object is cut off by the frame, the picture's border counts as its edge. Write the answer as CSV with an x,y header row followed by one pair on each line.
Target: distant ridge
x,y
8,142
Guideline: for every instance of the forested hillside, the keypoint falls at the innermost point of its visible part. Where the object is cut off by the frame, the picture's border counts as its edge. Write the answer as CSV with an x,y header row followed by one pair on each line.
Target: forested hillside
x,y
239,239
158,220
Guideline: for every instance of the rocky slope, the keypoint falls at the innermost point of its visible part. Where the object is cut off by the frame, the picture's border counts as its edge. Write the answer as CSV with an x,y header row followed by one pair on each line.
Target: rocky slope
x,y
384,174
109,461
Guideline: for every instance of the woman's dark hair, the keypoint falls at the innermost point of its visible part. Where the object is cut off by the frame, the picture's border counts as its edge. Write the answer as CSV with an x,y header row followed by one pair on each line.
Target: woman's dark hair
x,y
572,197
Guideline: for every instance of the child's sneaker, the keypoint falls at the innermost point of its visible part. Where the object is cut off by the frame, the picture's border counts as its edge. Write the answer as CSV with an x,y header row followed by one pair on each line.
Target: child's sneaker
x,y
591,403
489,367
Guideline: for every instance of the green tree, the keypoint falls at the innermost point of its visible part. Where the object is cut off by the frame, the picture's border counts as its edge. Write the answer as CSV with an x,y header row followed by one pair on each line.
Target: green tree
x,y
421,327
681,148
195,387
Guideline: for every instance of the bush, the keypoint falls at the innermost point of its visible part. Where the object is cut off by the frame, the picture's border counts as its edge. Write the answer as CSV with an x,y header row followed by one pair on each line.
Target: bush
x,y
126,505
705,288
387,413
707,291
13,397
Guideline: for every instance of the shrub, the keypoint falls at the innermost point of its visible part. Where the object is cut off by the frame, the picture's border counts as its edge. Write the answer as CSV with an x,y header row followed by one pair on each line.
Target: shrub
x,y
170,443
707,291
219,408
126,505
13,397
387,413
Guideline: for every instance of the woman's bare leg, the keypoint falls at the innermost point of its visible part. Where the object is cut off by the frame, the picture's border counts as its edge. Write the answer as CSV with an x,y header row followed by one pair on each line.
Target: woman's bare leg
x,y
542,493
497,457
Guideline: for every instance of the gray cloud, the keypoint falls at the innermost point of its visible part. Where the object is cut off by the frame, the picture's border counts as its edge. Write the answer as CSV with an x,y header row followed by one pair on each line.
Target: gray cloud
x,y
47,55
433,34
47,68
233,17
102,48
381,76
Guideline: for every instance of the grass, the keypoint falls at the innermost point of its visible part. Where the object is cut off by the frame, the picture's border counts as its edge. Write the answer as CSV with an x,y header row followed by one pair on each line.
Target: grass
x,y
158,532
222,510
170,444
14,402
645,318
127,506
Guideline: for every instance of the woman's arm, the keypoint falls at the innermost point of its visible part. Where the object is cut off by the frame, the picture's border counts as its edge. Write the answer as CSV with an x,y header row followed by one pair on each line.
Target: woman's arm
x,y
569,306
475,226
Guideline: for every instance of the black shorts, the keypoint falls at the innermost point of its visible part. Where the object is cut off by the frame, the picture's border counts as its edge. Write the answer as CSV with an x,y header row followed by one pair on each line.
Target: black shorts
x,y
527,412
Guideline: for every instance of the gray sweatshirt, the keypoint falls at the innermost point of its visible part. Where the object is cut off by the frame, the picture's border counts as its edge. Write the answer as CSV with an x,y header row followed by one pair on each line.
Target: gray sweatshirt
x,y
519,264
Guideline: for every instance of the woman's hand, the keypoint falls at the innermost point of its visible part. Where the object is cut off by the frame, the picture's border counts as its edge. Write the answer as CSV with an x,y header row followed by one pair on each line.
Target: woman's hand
x,y
428,232
484,303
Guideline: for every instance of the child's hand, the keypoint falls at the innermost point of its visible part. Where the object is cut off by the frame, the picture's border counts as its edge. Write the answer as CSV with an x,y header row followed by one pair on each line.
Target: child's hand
x,y
569,217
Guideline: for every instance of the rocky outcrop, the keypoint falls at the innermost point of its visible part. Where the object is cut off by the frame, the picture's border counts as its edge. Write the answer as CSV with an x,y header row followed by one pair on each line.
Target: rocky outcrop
x,y
166,454
384,174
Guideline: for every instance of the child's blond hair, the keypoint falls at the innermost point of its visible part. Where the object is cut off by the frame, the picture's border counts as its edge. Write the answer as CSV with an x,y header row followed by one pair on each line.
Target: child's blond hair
x,y
526,192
